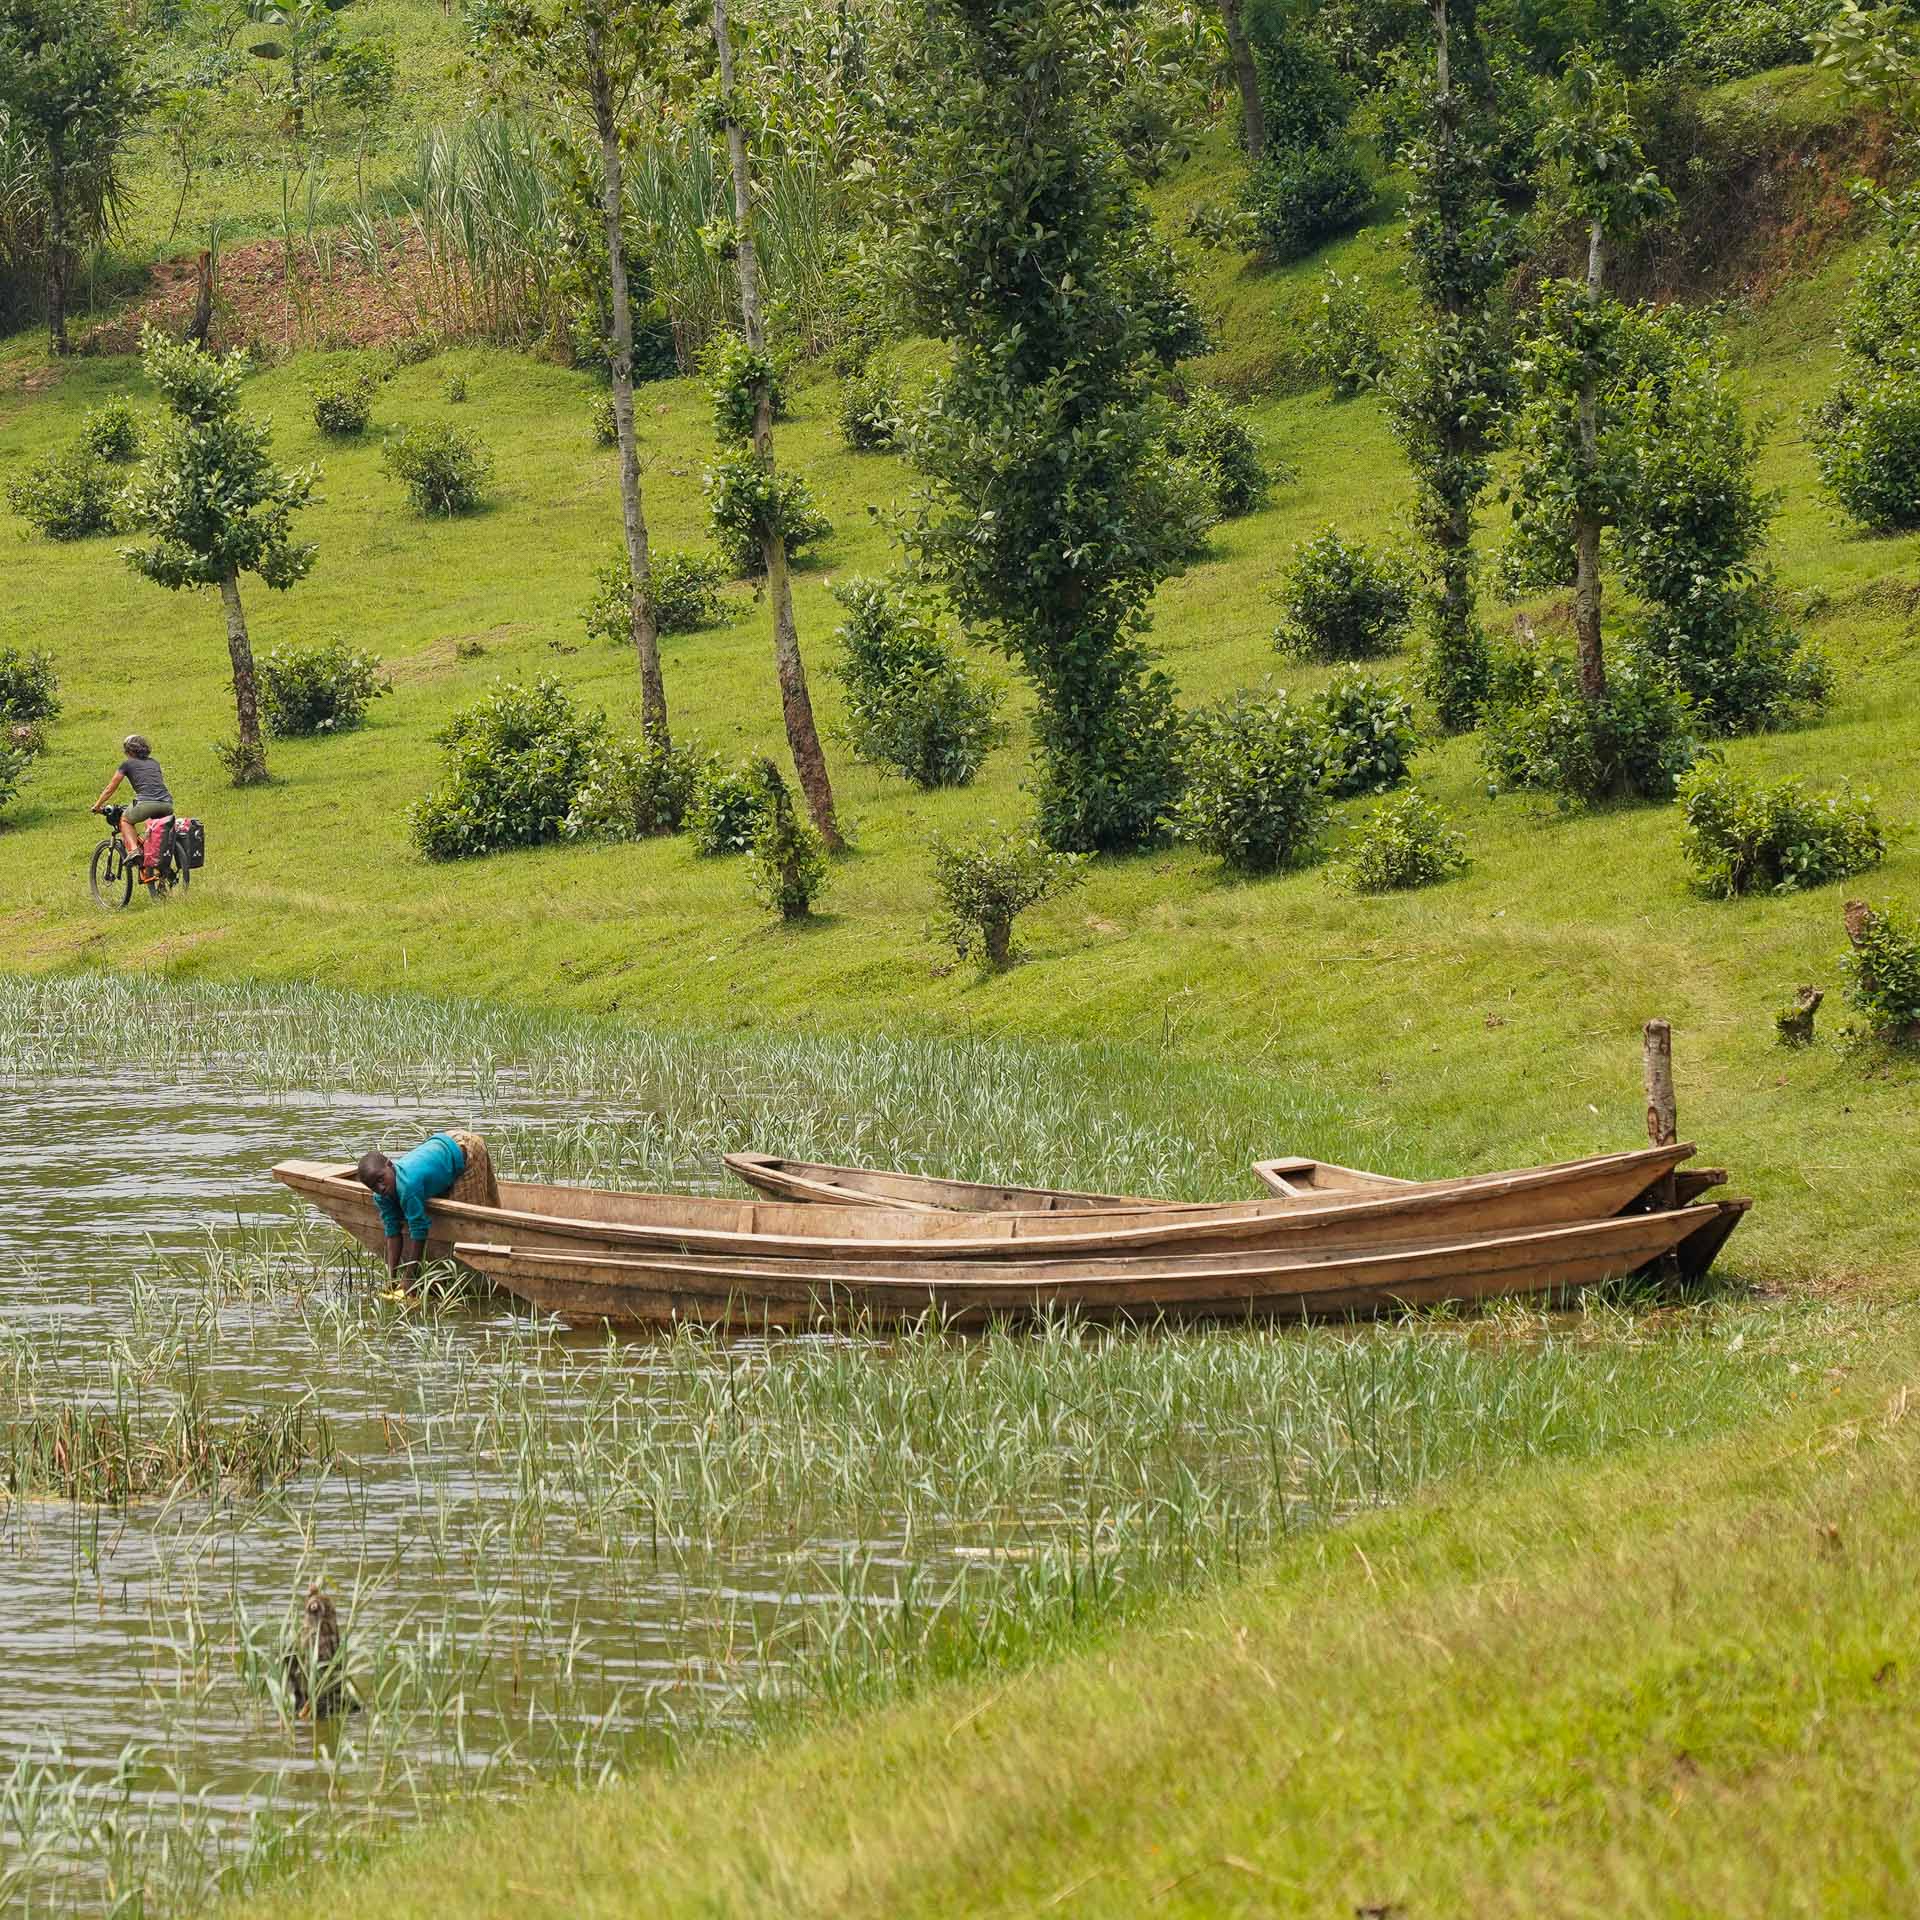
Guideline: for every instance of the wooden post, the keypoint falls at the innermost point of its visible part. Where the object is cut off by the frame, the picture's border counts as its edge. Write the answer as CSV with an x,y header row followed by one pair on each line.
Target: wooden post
x,y
1663,1114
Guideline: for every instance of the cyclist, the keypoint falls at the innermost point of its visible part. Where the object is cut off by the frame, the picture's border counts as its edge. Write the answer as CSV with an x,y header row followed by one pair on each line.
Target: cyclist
x,y
151,800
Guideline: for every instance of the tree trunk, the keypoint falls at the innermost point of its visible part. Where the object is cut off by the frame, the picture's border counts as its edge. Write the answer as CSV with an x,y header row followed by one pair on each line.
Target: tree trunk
x,y
59,266
1586,522
998,936
646,636
250,759
796,706
1253,112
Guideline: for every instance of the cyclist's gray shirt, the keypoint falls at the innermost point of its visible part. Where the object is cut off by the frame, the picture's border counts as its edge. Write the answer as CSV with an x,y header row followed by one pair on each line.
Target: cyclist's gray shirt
x,y
147,781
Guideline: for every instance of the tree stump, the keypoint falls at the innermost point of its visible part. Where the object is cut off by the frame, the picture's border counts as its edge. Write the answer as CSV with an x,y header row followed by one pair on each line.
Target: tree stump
x,y
1793,1025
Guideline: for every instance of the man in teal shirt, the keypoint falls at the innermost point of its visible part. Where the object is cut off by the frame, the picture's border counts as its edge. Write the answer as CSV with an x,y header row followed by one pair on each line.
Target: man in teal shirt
x,y
401,1189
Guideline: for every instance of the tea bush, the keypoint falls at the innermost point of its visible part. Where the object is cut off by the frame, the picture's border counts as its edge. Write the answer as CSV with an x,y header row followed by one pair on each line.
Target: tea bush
x,y
1405,843
1742,835
600,421
1254,794
1367,734
1867,446
16,762
68,495
342,399
633,790
984,885
787,865
1214,437
29,687
1340,600
871,418
515,761
1302,197
1739,659
744,500
318,689
915,707
732,371
1882,970
1344,342
727,808
684,590
1538,733
111,432
456,389
444,469
1187,510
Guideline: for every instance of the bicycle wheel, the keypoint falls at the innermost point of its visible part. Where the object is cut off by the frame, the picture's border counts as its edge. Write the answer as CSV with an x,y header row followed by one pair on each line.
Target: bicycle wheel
x,y
111,876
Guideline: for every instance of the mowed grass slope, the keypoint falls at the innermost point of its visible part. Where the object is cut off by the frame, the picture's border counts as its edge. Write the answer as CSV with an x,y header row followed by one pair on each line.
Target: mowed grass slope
x,y
1491,1021
1676,1683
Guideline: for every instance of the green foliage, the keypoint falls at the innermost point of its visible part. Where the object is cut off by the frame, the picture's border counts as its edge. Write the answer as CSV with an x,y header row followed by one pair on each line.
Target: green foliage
x,y
1456,671
748,500
1882,969
1255,793
635,790
16,762
456,389
209,496
984,885
1213,435
1345,343
870,413
1367,734
29,688
735,375
1188,502
1047,520
1302,197
1867,444
914,705
1743,835
727,808
111,432
1744,665
787,865
581,286
515,761
342,397
445,469
683,589
601,423
1405,842
319,689
1728,39
1172,326
1539,733
68,495
1342,600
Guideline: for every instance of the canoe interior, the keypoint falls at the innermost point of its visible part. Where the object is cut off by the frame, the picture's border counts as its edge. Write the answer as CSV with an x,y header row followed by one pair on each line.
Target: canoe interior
x,y
1301,1179
812,1181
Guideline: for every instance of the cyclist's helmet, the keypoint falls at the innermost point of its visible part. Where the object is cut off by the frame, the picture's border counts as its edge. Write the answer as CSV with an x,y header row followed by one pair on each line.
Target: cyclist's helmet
x,y
136,744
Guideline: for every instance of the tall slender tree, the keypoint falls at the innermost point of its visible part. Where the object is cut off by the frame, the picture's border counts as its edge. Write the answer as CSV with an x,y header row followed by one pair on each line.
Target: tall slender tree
x,y
215,506
590,56
71,93
1246,76
796,704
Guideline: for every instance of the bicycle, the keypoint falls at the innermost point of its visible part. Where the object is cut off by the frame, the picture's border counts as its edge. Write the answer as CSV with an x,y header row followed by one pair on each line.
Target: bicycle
x,y
113,872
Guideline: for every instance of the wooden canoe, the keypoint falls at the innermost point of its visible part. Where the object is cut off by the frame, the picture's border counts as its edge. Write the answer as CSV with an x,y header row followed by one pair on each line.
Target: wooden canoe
x,y
1303,1281
593,1220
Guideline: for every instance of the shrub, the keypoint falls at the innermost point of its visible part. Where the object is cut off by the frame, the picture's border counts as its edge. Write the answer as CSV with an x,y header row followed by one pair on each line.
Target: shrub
x,y
67,496
15,764
111,432
411,349
683,588
600,420
1882,968
456,389
1367,734
746,501
29,688
515,760
319,689
788,863
1538,733
1212,435
870,413
914,706
1254,794
1345,344
444,470
1301,197
633,790
343,400
1744,836
1739,659
1341,600
1187,510
1456,670
1407,842
727,808
733,371
984,885
1867,446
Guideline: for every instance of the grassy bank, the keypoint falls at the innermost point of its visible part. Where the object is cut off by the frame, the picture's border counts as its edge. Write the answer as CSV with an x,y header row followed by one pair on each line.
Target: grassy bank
x,y
1673,1683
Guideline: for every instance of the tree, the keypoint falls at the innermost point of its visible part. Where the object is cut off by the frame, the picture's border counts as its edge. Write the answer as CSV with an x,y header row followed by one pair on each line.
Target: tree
x,y
796,705
216,506
1246,76
1605,184
592,54
1445,404
1047,517
305,42
71,93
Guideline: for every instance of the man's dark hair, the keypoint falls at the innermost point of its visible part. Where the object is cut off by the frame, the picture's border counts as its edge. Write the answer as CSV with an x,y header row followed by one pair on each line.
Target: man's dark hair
x,y
371,1167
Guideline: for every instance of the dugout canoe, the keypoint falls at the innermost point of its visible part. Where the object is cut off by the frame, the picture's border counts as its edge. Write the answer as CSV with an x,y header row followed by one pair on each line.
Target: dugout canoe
x,y
600,1221
1301,1282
